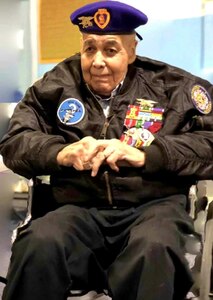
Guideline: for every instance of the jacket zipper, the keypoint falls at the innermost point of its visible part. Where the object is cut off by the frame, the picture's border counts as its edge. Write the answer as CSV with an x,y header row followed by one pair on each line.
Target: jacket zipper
x,y
103,136
106,173
104,130
109,192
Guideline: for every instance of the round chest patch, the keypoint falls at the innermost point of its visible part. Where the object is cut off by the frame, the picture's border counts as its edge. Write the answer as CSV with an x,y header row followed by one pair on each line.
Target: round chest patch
x,y
71,111
201,99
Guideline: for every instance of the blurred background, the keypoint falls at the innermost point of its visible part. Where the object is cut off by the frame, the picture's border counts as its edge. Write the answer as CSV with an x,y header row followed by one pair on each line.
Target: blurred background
x,y
37,34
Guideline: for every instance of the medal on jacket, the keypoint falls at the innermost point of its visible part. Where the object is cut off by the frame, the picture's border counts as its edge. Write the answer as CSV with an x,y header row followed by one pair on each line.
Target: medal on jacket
x,y
141,122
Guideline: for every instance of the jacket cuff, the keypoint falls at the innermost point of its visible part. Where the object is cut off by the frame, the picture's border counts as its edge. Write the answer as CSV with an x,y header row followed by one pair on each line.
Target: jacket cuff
x,y
49,161
155,160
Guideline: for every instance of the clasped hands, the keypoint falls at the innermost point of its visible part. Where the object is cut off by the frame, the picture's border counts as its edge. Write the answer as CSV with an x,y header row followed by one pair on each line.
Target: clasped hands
x,y
90,154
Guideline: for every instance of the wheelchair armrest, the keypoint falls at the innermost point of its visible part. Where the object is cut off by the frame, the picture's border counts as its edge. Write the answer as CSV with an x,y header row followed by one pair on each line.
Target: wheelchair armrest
x,y
207,262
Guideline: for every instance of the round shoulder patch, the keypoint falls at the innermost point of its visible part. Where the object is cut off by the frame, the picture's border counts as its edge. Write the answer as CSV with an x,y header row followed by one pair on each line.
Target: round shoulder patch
x,y
71,111
201,99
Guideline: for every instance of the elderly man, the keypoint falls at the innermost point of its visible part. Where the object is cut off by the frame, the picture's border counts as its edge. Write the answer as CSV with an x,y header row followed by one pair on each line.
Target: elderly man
x,y
123,138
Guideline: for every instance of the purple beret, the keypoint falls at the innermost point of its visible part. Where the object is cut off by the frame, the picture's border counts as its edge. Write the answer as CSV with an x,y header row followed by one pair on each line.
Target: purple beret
x,y
108,17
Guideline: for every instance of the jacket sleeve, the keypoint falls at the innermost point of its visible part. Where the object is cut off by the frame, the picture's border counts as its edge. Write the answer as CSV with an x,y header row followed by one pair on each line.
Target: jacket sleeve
x,y
186,149
30,147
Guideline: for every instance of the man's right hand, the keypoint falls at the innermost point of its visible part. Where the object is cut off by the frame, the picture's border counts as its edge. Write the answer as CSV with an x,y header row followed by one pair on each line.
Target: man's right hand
x,y
76,155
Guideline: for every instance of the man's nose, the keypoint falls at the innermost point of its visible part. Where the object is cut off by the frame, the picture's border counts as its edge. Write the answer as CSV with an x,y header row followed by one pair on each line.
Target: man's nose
x,y
98,60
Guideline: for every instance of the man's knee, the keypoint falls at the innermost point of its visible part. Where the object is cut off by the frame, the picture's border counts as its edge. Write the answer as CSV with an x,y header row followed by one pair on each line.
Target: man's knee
x,y
39,243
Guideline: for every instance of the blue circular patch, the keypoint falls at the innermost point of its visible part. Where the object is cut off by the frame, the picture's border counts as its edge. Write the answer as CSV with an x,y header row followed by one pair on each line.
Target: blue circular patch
x,y
71,111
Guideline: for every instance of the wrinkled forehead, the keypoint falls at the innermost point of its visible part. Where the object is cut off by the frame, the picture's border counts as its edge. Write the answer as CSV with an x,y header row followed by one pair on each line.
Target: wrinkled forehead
x,y
120,39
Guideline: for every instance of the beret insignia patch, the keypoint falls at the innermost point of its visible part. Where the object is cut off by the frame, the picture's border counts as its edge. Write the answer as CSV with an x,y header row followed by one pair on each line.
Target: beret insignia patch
x,y
86,21
102,18
201,99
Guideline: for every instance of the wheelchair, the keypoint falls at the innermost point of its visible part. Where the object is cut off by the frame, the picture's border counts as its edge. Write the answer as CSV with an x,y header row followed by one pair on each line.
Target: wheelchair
x,y
41,201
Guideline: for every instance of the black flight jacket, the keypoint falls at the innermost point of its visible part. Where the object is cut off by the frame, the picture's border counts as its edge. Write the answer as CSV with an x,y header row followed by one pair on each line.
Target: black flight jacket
x,y
59,109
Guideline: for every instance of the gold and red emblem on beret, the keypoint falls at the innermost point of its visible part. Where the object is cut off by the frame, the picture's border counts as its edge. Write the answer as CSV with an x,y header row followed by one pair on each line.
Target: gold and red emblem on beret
x,y
102,18
201,99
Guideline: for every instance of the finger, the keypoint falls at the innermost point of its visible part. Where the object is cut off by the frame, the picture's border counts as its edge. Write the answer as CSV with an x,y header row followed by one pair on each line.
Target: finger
x,y
86,147
111,157
87,165
93,152
79,164
97,162
109,151
112,161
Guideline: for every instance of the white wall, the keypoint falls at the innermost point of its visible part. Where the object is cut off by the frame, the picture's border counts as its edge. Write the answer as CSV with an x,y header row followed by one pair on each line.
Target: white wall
x,y
178,32
15,49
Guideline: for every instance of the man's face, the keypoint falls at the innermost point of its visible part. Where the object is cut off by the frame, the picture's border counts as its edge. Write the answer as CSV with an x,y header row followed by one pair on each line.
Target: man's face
x,y
105,59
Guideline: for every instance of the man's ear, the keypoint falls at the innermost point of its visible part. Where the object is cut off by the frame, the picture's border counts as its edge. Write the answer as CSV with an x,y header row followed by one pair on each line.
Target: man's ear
x,y
132,52
132,58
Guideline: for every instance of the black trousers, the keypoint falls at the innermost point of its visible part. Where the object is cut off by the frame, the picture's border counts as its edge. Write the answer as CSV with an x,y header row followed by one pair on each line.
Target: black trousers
x,y
134,253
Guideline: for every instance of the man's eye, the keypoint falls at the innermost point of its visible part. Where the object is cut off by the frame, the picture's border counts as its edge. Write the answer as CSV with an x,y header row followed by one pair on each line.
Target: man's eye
x,y
89,49
111,51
